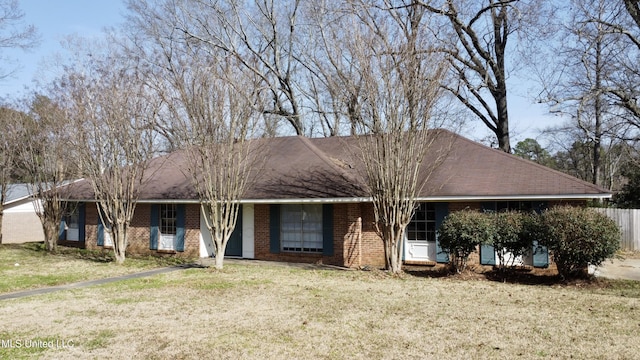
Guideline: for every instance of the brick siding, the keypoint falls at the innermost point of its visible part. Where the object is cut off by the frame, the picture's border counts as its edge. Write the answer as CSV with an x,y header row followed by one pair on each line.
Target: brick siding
x,y
140,231
356,242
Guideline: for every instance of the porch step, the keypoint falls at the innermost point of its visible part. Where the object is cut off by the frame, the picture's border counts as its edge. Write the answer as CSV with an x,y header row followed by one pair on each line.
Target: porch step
x,y
420,262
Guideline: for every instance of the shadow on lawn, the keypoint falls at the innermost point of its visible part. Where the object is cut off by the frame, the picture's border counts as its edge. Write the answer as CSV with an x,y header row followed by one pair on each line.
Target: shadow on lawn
x,y
99,256
525,276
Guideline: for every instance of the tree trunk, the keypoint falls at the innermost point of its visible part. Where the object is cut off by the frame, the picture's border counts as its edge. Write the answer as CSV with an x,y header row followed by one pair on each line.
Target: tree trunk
x,y
1,217
119,243
597,136
219,261
50,235
394,247
502,128
220,249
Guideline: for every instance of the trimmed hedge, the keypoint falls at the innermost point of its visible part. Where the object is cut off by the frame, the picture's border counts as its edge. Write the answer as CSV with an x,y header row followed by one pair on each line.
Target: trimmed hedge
x,y
460,234
508,237
578,237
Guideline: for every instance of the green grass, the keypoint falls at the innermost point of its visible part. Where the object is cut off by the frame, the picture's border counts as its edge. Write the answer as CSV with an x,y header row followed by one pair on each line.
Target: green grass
x,y
99,339
28,266
21,346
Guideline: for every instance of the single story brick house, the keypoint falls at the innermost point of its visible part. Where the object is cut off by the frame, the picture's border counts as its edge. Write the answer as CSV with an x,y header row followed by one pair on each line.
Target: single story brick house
x,y
308,205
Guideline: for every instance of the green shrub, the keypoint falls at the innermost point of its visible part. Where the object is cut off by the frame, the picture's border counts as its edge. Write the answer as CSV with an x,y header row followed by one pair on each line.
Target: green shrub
x,y
578,237
508,237
461,232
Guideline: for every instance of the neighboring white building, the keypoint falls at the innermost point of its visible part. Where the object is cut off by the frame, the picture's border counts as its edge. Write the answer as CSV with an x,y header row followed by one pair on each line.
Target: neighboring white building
x,y
20,222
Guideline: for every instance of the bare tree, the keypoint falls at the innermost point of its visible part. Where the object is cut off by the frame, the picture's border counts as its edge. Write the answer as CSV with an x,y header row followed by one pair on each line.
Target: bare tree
x,y
475,43
215,111
47,163
260,35
14,34
221,161
400,73
10,122
113,117
588,65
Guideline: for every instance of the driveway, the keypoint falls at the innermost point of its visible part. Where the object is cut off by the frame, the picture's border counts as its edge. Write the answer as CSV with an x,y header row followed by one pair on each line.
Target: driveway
x,y
620,269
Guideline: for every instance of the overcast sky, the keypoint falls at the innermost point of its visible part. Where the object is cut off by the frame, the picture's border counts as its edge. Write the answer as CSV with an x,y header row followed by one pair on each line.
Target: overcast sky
x,y
57,19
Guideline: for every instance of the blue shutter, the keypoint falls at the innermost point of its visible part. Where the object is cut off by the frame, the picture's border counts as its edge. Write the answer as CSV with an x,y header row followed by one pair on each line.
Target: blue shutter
x,y
61,232
540,253
180,221
100,231
327,229
487,252
487,255
442,210
81,222
154,231
274,229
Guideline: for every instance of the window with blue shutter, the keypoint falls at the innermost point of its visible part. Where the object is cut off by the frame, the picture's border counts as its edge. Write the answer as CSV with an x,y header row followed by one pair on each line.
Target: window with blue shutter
x,y
302,228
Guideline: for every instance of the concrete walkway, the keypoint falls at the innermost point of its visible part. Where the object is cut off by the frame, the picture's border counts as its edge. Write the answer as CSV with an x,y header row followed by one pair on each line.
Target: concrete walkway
x,y
628,269
82,284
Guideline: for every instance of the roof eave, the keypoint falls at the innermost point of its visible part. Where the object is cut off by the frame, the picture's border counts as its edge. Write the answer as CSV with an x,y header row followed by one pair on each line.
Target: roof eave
x,y
368,199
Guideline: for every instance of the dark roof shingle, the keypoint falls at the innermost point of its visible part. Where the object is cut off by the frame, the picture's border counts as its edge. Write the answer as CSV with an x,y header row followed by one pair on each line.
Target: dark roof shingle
x,y
296,167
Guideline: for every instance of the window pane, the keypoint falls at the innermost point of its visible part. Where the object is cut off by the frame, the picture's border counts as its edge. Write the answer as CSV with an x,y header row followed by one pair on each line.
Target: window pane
x,y
168,219
423,225
301,227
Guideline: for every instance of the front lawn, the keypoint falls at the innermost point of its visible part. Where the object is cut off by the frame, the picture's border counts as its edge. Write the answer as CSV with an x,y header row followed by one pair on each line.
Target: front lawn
x,y
28,266
249,311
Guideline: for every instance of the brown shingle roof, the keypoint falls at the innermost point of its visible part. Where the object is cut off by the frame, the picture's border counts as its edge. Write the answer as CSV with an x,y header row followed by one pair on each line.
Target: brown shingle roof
x,y
296,167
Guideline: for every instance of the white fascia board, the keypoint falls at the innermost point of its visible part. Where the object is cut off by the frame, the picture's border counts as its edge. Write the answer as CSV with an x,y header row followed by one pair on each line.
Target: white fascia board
x,y
307,201
17,201
368,199
516,197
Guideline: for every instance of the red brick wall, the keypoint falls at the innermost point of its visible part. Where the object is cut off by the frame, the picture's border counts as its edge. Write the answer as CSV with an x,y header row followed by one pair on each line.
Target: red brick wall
x,y
262,241
139,231
356,242
346,251
91,226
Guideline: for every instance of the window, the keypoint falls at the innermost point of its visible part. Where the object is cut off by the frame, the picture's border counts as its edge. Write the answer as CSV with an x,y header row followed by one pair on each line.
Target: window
x,y
423,224
72,224
301,228
168,219
168,227
513,206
